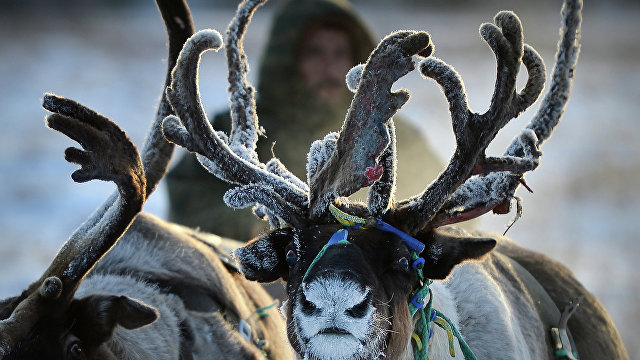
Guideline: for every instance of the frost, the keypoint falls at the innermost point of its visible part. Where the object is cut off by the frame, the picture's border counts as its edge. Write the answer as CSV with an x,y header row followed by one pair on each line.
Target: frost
x,y
276,167
319,154
258,256
353,77
244,129
275,206
175,132
209,39
213,168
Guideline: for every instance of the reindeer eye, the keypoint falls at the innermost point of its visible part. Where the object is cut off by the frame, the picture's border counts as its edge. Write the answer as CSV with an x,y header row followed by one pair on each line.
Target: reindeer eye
x,y
291,257
76,352
403,263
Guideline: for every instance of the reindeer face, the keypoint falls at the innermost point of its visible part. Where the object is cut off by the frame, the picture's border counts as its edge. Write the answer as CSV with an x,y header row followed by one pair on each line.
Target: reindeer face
x,y
341,303
79,330
351,302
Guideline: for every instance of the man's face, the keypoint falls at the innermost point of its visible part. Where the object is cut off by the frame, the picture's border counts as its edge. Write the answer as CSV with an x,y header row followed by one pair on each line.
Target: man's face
x,y
325,58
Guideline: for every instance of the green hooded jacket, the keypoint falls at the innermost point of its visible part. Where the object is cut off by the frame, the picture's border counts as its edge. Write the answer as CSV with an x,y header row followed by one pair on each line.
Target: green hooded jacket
x,y
292,119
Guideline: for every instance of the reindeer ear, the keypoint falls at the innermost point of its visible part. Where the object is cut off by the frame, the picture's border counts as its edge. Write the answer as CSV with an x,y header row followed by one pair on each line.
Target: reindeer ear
x,y
444,250
263,259
99,314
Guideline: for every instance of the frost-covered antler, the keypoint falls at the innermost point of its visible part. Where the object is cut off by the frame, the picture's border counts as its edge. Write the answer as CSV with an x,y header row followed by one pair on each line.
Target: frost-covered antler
x,y
455,196
363,153
108,155
232,158
344,163
367,130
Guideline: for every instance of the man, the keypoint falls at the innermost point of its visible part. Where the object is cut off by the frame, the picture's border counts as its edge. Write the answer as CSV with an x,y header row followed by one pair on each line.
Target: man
x,y
301,96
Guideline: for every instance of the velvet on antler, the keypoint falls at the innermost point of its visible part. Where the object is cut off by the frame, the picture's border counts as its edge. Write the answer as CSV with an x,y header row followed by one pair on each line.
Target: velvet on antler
x,y
107,154
363,152
231,158
474,131
494,191
365,132
157,151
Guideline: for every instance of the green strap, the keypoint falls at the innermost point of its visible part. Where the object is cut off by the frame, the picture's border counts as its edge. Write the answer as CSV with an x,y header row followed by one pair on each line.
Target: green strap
x,y
423,328
422,332
262,311
339,237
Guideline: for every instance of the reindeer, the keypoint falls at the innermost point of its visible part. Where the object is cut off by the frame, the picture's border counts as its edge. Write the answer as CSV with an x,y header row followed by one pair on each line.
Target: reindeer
x,y
371,281
160,291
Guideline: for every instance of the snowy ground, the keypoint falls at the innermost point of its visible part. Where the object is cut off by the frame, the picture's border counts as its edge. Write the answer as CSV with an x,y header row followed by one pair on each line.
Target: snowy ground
x,y
585,204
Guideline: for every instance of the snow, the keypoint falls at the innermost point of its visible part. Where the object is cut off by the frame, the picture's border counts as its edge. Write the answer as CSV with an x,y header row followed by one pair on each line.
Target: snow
x,y
585,204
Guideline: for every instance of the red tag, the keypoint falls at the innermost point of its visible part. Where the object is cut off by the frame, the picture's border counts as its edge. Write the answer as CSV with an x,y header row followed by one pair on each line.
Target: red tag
x,y
373,174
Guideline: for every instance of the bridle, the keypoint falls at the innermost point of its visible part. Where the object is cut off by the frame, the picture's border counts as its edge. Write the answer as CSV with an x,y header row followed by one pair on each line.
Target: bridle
x,y
426,314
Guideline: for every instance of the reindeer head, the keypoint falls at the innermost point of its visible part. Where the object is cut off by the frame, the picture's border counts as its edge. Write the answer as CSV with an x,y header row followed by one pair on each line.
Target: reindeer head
x,y
46,321
349,281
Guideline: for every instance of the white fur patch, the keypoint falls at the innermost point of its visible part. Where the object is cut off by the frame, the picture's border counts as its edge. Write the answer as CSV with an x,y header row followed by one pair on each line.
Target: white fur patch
x,y
332,297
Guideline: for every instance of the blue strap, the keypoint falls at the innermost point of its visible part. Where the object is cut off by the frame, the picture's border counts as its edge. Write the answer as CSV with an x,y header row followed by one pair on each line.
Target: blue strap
x,y
411,242
340,235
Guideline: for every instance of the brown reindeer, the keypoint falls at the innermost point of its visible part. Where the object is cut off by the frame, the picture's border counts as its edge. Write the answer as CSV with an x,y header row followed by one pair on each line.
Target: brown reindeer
x,y
360,277
128,285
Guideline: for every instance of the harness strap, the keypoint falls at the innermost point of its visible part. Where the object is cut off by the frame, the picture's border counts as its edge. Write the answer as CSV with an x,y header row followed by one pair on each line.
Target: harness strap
x,y
559,336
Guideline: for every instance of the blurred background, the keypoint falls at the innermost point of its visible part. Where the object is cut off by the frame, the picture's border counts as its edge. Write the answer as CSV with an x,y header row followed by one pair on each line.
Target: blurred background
x,y
110,55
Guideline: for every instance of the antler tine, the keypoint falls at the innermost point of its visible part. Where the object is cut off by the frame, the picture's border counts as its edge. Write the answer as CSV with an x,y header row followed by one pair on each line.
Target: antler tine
x,y
244,127
495,191
234,162
248,195
364,134
157,151
108,155
244,121
555,101
381,194
184,96
473,131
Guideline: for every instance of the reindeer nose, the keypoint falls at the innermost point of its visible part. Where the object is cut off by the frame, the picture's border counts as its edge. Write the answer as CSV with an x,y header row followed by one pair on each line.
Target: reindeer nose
x,y
307,307
359,310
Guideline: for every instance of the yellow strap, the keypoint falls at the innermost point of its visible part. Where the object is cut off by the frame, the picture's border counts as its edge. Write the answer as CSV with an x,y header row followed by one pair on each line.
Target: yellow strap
x,y
346,219
416,338
445,325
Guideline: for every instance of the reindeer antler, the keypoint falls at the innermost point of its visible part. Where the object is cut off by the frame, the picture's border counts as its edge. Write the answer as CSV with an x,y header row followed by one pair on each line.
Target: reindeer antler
x,y
366,132
363,153
474,131
232,158
157,151
345,164
108,155
495,190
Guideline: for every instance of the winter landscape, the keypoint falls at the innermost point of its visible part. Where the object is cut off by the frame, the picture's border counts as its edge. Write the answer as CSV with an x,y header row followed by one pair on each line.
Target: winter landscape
x,y
585,201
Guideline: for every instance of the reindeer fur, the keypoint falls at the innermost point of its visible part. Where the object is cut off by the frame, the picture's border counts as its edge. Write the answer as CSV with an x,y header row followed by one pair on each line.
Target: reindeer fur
x,y
177,271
